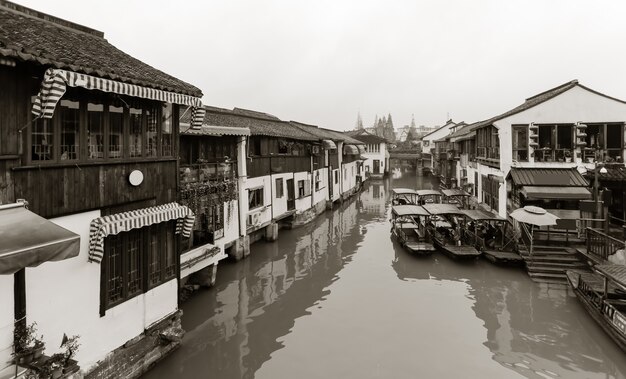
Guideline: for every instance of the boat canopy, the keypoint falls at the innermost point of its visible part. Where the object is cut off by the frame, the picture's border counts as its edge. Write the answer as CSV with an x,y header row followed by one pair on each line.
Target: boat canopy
x,y
409,210
403,191
442,209
454,192
428,192
481,215
616,273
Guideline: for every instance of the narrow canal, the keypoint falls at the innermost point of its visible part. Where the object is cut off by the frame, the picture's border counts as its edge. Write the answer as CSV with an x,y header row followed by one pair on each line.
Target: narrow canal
x,y
340,299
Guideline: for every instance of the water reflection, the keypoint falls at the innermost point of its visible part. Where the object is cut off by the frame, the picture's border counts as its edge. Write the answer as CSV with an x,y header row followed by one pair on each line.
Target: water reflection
x,y
324,301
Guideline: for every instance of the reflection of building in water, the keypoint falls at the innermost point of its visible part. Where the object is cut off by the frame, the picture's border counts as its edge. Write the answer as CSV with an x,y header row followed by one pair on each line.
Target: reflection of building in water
x,y
373,198
531,329
261,297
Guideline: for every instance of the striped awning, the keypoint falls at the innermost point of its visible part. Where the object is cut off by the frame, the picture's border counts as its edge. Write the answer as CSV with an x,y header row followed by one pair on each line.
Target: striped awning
x,y
350,150
55,82
123,222
328,144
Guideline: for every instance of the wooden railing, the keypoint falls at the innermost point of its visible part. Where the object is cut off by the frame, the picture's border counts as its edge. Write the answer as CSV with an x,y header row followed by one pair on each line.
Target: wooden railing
x,y
602,245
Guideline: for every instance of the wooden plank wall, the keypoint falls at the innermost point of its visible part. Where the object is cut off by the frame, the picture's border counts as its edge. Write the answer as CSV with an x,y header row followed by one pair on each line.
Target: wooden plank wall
x,y
56,191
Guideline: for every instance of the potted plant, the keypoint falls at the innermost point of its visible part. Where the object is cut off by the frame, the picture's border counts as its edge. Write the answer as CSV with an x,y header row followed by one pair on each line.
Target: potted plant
x,y
71,347
568,156
28,346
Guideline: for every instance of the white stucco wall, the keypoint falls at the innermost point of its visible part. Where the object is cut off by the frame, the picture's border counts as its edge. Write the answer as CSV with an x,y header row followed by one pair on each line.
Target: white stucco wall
x,y
371,156
348,176
302,203
64,297
265,212
322,193
6,320
279,205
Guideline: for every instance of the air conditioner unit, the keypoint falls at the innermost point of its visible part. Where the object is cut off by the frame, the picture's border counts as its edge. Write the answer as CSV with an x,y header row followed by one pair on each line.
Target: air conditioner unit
x,y
254,219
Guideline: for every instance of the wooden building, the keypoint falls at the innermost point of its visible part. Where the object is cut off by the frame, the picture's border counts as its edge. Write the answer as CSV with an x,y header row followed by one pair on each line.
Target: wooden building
x,y
209,186
89,139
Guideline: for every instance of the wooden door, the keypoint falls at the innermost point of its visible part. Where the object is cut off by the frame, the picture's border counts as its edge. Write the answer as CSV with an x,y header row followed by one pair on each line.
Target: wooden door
x,y
376,166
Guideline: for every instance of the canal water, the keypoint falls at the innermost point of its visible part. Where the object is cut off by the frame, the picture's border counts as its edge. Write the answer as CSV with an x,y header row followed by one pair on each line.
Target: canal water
x,y
340,299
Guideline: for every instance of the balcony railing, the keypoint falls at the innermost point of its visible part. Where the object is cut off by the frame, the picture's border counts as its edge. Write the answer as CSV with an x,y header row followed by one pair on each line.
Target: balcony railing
x,y
205,172
602,245
486,152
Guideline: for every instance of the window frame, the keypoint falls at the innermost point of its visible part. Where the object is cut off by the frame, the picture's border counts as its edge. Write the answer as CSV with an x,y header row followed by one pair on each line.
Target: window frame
x,y
165,234
514,148
260,204
280,187
83,155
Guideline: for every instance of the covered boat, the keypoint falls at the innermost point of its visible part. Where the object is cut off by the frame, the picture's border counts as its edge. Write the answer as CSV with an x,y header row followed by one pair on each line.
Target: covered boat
x,y
457,197
491,234
428,196
444,227
409,228
403,196
603,294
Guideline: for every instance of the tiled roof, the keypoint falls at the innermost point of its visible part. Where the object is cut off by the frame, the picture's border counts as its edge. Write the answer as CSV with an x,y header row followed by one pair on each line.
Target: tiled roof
x,y
32,36
439,128
538,99
558,177
259,126
217,131
365,136
322,133
251,113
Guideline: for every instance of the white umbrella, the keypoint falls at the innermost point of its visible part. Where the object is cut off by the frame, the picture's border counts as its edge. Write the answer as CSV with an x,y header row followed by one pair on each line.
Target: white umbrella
x,y
534,215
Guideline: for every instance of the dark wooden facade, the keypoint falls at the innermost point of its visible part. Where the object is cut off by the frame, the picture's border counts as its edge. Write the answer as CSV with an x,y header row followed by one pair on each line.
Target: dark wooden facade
x,y
61,187
276,155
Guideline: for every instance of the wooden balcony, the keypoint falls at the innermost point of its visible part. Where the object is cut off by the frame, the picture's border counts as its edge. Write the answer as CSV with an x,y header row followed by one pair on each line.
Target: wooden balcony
x,y
206,172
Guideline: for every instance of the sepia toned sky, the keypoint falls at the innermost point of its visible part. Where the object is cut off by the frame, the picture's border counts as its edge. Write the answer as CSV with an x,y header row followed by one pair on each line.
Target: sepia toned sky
x,y
322,61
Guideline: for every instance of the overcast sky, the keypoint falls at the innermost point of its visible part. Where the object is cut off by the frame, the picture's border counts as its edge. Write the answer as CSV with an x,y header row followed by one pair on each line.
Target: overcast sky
x,y
321,62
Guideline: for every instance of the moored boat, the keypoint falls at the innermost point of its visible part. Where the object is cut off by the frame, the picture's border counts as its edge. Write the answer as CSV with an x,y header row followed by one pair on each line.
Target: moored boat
x,y
403,196
457,197
603,294
428,196
491,234
409,228
444,229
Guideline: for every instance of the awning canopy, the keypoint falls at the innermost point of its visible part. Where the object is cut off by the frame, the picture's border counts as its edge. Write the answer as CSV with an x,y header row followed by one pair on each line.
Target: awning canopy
x,y
28,240
454,192
328,144
350,149
409,210
479,214
555,193
217,131
55,82
547,177
123,222
441,209
361,149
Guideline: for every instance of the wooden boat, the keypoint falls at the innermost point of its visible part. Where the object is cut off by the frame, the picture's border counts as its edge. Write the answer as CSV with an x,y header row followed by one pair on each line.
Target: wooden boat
x,y
603,294
457,197
428,196
403,196
444,229
491,234
409,228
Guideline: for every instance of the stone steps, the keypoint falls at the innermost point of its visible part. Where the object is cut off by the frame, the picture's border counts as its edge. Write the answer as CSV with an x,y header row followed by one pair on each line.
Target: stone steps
x,y
548,264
